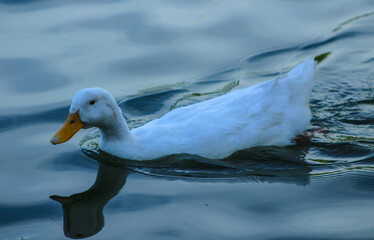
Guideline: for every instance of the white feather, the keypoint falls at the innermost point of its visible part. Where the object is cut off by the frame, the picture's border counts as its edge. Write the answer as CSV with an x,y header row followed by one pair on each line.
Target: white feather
x,y
270,113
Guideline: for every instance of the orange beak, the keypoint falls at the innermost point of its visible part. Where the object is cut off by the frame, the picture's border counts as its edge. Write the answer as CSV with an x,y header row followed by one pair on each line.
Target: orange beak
x,y
72,125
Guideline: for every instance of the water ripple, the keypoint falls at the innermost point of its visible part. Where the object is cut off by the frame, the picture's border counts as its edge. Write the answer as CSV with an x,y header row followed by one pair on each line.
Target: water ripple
x,y
39,76
10,122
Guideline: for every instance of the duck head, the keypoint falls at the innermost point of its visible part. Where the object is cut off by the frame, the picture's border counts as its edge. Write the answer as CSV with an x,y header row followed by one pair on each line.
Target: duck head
x,y
90,107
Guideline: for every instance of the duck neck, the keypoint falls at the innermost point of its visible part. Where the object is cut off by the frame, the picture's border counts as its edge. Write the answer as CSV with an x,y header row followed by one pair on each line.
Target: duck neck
x,y
116,129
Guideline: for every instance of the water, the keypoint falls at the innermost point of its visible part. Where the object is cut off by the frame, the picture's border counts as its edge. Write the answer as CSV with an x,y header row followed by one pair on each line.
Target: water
x,y
156,56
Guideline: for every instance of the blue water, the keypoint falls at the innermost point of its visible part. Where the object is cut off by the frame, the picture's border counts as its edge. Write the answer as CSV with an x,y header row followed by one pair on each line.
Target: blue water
x,y
155,56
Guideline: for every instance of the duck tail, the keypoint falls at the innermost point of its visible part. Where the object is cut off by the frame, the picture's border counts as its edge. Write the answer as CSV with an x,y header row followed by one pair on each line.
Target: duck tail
x,y
305,70
300,79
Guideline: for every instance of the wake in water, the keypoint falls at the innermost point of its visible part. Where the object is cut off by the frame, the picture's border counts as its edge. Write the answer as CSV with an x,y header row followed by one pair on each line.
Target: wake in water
x,y
332,146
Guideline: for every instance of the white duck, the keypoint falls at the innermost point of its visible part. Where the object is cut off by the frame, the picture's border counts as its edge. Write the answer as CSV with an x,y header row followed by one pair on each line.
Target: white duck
x,y
270,113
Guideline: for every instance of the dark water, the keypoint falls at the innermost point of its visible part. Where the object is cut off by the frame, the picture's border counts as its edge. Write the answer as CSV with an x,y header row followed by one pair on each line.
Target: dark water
x,y
158,55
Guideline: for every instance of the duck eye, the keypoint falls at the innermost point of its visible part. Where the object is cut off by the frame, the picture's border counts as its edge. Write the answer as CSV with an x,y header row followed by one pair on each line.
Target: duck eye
x,y
92,102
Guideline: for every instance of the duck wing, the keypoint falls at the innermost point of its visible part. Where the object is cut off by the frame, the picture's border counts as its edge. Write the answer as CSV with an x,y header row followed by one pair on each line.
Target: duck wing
x,y
270,113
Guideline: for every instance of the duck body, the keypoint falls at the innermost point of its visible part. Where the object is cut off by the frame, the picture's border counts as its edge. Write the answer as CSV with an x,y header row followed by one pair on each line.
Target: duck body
x,y
270,113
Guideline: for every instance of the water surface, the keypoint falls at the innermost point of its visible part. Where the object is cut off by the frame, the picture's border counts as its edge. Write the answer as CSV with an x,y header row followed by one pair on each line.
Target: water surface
x,y
157,56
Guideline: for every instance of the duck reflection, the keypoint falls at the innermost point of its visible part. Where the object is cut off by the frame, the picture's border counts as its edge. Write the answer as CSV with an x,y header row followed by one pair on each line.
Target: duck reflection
x,y
83,212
